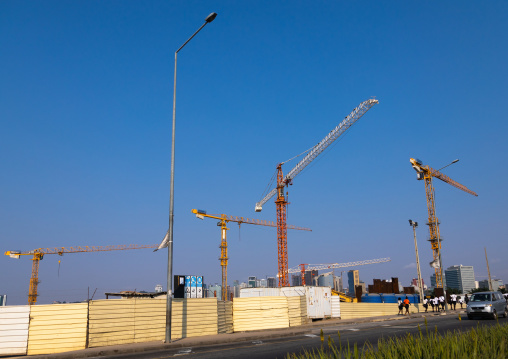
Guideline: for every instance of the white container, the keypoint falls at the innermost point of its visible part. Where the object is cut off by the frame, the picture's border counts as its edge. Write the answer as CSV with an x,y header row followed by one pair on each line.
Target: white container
x,y
259,292
319,303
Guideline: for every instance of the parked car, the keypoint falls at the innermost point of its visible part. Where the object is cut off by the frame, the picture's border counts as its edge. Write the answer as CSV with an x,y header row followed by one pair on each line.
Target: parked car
x,y
487,304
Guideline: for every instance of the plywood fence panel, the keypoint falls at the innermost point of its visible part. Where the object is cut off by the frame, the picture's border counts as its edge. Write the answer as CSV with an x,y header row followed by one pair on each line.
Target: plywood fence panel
x,y
225,317
192,317
258,313
362,310
57,328
14,329
111,322
297,310
149,320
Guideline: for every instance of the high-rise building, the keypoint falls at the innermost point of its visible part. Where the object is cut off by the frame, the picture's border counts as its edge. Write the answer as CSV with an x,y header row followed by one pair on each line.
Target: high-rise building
x,y
272,282
296,280
460,277
263,283
496,283
353,278
325,280
310,276
252,282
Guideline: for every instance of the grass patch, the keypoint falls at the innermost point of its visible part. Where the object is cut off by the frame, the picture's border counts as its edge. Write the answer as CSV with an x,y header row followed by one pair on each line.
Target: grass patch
x,y
480,342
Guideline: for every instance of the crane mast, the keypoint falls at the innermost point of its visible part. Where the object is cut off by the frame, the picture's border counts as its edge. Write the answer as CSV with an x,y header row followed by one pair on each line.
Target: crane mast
x,y
38,255
282,181
426,173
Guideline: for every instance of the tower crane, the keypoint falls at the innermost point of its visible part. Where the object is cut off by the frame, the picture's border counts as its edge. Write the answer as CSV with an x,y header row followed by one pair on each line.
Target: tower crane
x,y
223,221
306,267
284,181
39,253
426,173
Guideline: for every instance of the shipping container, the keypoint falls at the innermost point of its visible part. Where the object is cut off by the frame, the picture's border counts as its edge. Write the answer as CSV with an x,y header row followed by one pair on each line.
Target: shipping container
x,y
318,299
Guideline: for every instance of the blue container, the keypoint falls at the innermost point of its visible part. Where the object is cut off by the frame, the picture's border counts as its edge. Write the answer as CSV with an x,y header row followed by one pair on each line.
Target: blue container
x,y
391,297
371,298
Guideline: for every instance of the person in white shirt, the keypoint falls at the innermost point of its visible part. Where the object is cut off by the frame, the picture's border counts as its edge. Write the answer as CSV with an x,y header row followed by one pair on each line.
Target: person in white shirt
x,y
436,303
454,300
425,305
442,302
461,301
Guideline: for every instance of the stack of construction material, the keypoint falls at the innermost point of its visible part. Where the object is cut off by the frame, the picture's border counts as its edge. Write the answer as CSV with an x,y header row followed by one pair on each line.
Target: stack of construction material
x,y
14,330
297,310
57,328
225,314
194,317
362,310
258,313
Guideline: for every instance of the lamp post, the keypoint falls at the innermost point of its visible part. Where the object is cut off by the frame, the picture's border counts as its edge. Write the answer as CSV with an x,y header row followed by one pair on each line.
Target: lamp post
x,y
420,282
208,19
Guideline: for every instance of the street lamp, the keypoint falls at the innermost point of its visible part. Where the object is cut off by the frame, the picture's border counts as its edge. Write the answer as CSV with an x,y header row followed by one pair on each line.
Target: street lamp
x,y
420,282
208,19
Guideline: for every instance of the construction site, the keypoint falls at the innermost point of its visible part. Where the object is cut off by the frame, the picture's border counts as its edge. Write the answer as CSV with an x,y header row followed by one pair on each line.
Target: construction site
x,y
300,156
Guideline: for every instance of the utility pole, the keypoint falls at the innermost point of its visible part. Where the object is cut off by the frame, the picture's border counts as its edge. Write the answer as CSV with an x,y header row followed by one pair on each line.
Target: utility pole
x,y
488,269
420,282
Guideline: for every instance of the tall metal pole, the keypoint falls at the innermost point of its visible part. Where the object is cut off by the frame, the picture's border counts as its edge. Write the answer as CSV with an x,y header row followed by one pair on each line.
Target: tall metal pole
x,y
488,269
420,282
169,294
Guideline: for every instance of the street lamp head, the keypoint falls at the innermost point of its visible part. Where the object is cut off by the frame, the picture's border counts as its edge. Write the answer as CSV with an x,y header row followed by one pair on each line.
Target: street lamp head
x,y
211,17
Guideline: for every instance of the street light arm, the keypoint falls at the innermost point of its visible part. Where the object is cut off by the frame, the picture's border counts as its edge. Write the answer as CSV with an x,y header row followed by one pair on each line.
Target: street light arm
x,y
208,20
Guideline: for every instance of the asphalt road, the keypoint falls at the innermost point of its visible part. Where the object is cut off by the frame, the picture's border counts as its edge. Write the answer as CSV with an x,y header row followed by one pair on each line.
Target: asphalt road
x,y
354,333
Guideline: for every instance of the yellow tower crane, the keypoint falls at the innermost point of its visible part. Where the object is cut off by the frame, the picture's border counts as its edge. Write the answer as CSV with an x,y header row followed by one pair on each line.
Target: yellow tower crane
x,y
39,253
223,221
426,173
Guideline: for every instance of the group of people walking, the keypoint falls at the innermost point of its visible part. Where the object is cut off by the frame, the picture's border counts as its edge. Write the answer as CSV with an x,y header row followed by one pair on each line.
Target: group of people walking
x,y
436,302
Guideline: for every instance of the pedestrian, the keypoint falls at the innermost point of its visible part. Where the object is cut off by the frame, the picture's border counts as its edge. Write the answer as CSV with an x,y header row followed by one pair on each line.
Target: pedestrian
x,y
461,301
425,304
400,305
466,299
436,303
454,300
431,300
406,305
442,302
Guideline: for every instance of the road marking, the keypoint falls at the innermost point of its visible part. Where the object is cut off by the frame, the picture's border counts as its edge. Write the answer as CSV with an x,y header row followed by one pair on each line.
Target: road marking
x,y
183,352
311,335
404,326
353,330
257,342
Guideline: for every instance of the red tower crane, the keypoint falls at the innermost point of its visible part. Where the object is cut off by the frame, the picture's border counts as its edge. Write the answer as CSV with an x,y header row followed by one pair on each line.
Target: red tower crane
x,y
284,181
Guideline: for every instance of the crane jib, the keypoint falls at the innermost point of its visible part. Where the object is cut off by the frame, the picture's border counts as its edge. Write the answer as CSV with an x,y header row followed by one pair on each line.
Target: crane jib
x,y
348,121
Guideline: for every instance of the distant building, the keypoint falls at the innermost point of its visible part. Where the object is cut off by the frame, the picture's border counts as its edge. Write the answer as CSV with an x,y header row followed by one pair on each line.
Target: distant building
x,y
271,282
460,277
353,278
214,291
310,275
158,288
263,283
3,300
252,282
296,280
236,288
326,280
496,284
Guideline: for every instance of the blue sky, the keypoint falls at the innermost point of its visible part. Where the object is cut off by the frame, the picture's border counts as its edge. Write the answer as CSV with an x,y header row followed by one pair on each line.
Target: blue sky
x,y
86,104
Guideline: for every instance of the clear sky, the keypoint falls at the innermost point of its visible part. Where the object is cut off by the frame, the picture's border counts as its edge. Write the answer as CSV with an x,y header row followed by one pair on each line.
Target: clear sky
x,y
86,97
